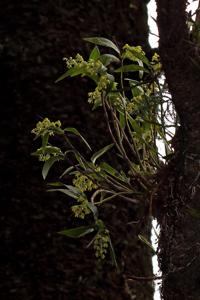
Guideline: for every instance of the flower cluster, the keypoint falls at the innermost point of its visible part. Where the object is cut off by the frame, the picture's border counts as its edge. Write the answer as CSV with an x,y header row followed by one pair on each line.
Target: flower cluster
x,y
46,126
131,52
101,87
83,183
101,243
45,153
44,157
81,210
130,108
156,65
90,67
73,62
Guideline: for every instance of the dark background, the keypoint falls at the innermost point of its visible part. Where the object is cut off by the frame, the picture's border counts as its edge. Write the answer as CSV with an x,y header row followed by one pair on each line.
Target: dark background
x,y
37,263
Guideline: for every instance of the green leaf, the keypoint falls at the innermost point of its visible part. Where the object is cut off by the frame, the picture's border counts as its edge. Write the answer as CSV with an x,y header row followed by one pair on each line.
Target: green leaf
x,y
55,184
45,139
97,103
102,42
100,225
77,232
80,161
131,68
110,170
66,192
63,76
112,254
141,57
93,209
67,171
145,241
136,128
73,189
106,59
99,153
47,165
122,120
95,53
75,71
76,132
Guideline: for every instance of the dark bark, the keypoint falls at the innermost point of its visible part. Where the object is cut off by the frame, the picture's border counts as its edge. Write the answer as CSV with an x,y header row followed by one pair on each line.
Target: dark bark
x,y
37,263
179,221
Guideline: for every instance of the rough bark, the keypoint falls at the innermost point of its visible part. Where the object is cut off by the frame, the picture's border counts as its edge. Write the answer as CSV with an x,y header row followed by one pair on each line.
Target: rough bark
x,y
179,219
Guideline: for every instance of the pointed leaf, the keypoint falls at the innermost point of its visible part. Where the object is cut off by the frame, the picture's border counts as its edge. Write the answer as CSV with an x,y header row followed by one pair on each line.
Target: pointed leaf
x,y
67,171
55,184
102,42
95,54
99,153
80,161
73,189
45,139
66,192
122,120
47,165
106,59
136,128
145,241
76,132
110,170
112,254
75,71
93,209
77,232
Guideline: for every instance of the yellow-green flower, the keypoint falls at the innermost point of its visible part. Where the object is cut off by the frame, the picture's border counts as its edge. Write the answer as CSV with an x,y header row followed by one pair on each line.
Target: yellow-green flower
x,y
83,183
73,62
90,67
101,87
156,65
130,52
101,244
80,211
46,126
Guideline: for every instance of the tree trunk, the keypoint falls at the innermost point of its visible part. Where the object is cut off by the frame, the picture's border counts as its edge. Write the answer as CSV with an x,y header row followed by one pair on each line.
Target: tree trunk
x,y
179,252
